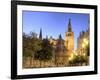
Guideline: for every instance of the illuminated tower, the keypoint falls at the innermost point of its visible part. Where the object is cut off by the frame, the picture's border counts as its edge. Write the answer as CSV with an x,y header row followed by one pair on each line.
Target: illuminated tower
x,y
69,39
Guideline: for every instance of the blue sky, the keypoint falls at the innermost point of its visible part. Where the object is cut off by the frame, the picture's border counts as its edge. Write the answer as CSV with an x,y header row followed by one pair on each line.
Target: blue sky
x,y
54,23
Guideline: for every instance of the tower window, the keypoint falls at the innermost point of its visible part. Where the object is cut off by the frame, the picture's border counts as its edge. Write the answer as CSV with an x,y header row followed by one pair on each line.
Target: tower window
x,y
69,35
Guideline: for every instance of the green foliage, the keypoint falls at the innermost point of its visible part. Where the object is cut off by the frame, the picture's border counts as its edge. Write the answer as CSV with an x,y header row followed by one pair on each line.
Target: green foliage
x,y
46,51
37,48
88,50
31,44
80,59
27,52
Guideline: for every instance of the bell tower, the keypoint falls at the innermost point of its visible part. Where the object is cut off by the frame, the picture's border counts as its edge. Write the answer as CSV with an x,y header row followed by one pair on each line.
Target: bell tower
x,y
69,39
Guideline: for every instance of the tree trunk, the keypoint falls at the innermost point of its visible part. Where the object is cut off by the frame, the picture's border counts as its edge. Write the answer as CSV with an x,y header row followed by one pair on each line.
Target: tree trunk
x,y
31,61
40,64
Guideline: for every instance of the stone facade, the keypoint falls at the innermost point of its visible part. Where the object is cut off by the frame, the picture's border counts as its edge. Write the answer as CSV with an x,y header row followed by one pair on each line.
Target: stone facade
x,y
84,35
69,40
65,47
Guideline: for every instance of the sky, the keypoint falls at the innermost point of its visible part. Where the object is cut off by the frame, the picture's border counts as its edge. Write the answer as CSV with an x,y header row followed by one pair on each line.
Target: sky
x,y
54,23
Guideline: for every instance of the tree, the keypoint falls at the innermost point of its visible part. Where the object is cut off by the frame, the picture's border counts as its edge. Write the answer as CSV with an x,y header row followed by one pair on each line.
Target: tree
x,y
88,50
31,44
78,59
27,53
46,51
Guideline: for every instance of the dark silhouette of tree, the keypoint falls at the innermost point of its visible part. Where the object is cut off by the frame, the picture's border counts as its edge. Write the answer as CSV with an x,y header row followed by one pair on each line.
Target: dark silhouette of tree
x,y
88,50
78,60
46,51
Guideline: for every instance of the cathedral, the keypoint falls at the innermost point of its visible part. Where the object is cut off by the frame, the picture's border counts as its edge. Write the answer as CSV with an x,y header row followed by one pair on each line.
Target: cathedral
x,y
65,47
63,50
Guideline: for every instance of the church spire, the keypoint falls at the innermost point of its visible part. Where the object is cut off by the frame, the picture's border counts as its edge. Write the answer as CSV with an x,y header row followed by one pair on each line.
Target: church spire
x,y
69,26
40,35
60,37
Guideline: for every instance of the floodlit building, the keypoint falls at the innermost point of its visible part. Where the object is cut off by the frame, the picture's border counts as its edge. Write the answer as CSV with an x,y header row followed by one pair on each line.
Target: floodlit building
x,y
63,48
69,39
82,41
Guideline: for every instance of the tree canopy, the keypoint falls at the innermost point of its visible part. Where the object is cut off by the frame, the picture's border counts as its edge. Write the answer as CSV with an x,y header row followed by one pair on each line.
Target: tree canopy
x,y
46,51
